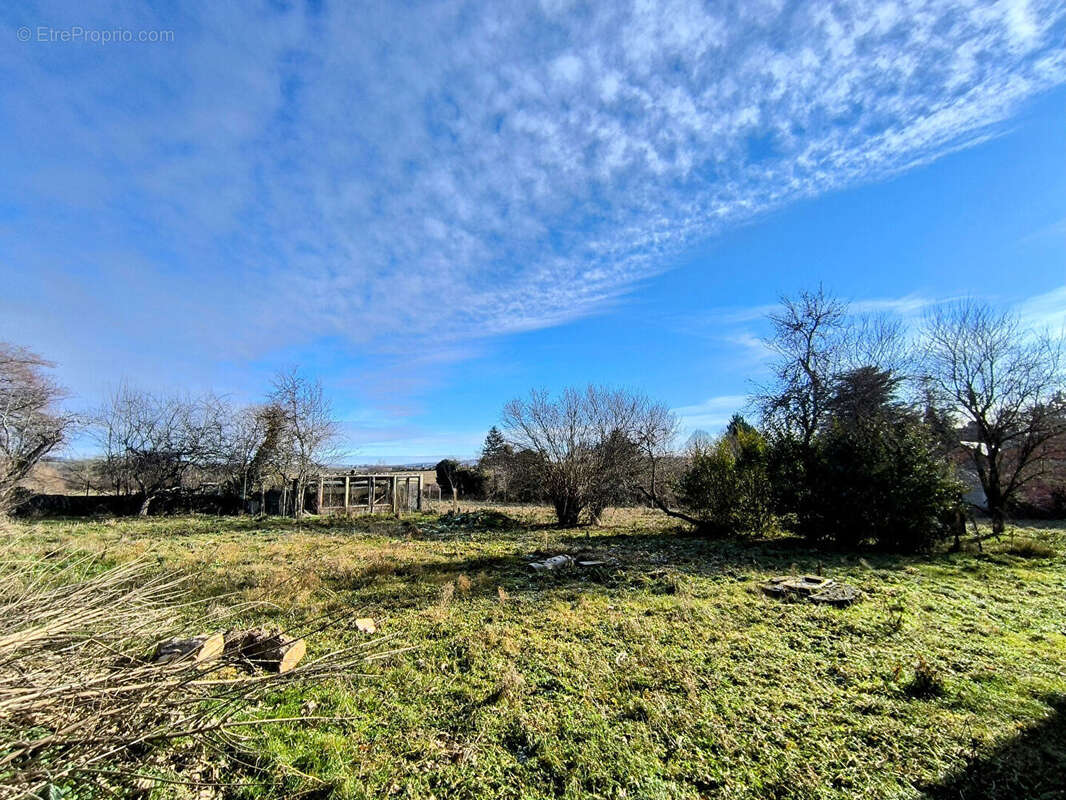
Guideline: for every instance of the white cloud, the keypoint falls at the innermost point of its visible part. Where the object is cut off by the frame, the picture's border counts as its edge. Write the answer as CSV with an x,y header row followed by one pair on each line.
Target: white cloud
x,y
448,173
907,306
711,415
567,68
1046,311
753,347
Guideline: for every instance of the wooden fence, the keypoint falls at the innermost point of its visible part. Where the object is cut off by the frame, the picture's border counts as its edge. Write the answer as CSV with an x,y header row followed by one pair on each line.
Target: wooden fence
x,y
393,492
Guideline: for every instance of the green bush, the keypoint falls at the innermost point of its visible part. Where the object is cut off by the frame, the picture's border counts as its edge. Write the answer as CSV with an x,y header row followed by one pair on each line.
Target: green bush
x,y
883,485
469,482
725,485
872,474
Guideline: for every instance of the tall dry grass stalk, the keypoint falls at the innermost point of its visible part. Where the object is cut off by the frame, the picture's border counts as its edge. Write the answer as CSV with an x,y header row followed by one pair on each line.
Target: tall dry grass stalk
x,y
78,695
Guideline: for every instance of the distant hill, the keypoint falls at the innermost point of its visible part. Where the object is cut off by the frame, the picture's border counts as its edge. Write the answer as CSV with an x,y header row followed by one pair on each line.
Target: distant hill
x,y
54,477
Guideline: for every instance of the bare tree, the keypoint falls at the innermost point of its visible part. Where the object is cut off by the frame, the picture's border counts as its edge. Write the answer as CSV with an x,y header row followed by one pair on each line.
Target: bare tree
x,y
153,441
877,340
82,475
818,342
588,445
809,335
244,435
655,433
1006,383
310,433
30,425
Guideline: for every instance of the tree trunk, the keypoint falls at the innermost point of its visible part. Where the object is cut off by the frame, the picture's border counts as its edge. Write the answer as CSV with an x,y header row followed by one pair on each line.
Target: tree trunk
x,y
144,505
999,519
297,504
567,512
269,650
661,505
196,649
995,502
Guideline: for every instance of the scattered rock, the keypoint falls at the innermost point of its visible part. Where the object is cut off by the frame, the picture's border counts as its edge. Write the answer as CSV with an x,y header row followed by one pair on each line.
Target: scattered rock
x,y
564,561
805,585
555,562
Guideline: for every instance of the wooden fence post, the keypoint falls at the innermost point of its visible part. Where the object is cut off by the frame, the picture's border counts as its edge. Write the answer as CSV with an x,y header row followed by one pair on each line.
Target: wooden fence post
x,y
347,494
371,482
321,482
395,498
420,491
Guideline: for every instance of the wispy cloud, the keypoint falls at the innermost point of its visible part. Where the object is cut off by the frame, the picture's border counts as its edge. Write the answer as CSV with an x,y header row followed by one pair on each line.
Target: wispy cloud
x,y
444,173
1046,311
1056,230
711,415
907,306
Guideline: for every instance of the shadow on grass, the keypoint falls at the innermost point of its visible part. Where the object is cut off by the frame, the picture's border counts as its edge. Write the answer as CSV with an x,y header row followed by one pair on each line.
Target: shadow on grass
x,y
1031,765
652,561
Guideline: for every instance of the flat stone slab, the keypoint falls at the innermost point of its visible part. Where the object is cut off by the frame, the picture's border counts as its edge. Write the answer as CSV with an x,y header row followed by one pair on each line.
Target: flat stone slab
x,y
815,588
840,595
805,585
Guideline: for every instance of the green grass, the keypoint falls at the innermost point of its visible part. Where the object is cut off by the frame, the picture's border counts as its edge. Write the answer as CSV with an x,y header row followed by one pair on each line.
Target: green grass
x,y
665,674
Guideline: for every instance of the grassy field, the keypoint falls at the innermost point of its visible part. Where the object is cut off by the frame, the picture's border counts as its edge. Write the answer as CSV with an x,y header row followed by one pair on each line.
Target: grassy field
x,y
664,673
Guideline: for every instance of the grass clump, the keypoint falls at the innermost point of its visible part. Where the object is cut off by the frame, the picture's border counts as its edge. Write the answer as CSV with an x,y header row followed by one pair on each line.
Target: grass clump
x,y
925,681
1026,547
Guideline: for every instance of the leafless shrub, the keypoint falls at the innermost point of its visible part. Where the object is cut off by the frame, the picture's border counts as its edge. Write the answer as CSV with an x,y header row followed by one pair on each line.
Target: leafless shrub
x,y
152,442
309,432
592,447
447,594
80,699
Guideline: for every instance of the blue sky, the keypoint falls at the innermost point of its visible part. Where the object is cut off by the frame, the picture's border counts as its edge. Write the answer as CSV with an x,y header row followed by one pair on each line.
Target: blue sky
x,y
435,207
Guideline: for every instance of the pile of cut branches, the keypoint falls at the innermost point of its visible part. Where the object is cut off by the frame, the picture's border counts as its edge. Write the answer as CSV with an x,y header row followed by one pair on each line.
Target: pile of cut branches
x,y
84,697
